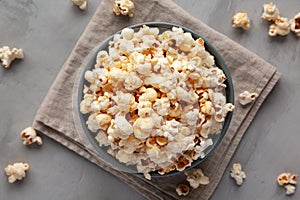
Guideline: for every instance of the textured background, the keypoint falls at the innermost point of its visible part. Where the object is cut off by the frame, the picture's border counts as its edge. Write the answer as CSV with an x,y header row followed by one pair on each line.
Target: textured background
x,y
48,30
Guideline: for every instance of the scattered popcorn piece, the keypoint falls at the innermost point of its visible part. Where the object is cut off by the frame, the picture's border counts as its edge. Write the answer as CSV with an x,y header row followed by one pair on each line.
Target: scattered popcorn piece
x,y
286,177
182,190
289,181
241,20
237,174
295,24
16,171
271,12
290,189
281,27
247,97
196,178
124,7
7,55
29,136
82,4
283,178
293,179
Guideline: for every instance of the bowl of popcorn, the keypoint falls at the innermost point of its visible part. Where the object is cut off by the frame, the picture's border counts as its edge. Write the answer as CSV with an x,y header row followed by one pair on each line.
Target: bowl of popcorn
x,y
153,99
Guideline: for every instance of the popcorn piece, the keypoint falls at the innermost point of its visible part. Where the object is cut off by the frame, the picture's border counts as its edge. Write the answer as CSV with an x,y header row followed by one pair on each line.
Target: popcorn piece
x,y
237,174
290,189
241,20
124,126
142,127
102,138
124,7
196,178
271,12
149,94
285,178
82,4
289,181
247,97
162,106
132,82
16,171
29,136
295,24
182,190
281,27
103,121
7,55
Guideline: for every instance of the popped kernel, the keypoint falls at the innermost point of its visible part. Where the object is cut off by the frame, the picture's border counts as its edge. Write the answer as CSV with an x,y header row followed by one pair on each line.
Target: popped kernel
x,y
280,27
246,97
241,20
124,7
289,181
295,24
82,4
237,174
7,55
16,171
196,177
271,12
182,190
29,136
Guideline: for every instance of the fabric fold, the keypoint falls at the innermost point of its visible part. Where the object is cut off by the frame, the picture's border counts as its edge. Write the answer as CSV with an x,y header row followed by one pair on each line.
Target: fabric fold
x,y
249,72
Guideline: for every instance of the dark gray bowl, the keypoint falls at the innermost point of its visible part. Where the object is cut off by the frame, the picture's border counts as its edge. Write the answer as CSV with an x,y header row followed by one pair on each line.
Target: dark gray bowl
x,y
88,138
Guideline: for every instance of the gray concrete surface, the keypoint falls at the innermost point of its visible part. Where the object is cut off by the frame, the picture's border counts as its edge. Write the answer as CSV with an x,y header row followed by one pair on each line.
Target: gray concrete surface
x,y
48,30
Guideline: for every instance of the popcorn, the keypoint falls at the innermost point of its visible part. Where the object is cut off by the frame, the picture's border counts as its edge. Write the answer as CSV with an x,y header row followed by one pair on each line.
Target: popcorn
x,y
132,82
241,20
124,126
247,97
29,136
295,24
82,4
148,94
281,27
290,189
155,99
237,174
16,171
103,120
289,181
271,12
285,178
195,177
124,7
182,190
7,55
162,106
142,127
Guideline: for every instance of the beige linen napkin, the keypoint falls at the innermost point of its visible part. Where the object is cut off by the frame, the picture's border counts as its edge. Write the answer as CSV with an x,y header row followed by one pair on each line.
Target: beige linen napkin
x,y
248,71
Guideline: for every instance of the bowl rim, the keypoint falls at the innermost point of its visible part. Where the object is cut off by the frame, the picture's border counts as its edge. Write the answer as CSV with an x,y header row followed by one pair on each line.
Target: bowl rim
x,y
90,142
